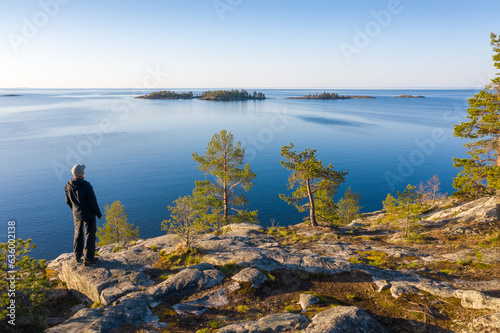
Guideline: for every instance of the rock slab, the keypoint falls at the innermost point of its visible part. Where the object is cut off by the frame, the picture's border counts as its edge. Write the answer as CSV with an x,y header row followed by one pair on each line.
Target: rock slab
x,y
306,300
281,322
251,275
134,308
344,319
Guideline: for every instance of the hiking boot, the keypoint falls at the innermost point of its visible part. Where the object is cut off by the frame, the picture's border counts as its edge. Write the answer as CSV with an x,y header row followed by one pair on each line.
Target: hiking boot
x,y
78,260
89,262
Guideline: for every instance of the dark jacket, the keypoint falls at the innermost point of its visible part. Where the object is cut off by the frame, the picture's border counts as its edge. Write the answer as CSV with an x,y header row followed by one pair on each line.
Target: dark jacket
x,y
80,197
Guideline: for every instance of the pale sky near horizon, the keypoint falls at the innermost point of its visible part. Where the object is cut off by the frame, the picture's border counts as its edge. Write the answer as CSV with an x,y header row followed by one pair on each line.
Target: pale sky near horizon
x,y
247,43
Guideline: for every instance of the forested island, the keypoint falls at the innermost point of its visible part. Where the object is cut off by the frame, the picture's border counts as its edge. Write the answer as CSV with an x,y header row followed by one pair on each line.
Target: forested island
x,y
167,94
231,95
217,95
329,96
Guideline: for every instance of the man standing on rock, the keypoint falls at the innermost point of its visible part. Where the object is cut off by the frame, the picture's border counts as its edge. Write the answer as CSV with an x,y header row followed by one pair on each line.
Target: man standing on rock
x,y
80,197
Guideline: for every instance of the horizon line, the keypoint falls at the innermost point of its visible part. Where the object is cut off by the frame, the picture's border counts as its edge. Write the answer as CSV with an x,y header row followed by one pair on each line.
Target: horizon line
x,y
249,88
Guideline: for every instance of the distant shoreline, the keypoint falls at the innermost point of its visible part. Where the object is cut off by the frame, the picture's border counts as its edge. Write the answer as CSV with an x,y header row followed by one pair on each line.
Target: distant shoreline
x,y
327,99
409,96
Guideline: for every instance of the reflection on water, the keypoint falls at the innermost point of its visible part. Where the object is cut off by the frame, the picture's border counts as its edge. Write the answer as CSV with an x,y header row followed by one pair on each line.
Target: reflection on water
x,y
335,122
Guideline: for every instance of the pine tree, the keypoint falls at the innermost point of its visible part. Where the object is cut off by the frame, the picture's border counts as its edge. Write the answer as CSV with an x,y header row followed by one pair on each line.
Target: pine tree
x,y
24,281
430,191
313,182
219,197
116,230
348,207
480,173
185,221
404,210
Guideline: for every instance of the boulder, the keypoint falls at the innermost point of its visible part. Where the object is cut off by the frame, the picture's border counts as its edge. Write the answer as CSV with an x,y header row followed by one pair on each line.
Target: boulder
x,y
250,275
399,288
306,300
343,319
281,322
477,300
188,281
381,284
210,300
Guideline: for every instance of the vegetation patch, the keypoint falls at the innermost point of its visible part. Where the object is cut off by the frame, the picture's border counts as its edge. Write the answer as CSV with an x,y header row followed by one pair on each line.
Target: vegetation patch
x,y
409,313
228,268
374,258
180,257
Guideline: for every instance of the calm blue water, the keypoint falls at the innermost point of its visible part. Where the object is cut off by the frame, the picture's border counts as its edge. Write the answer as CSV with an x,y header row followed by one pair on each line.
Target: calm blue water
x,y
139,151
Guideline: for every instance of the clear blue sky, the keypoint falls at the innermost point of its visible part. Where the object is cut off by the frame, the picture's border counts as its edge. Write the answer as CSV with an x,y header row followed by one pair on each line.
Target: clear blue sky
x,y
247,43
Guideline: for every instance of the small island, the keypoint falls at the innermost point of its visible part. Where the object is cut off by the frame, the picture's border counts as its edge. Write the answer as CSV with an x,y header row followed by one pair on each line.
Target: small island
x,y
11,95
167,94
231,95
329,96
408,96
218,95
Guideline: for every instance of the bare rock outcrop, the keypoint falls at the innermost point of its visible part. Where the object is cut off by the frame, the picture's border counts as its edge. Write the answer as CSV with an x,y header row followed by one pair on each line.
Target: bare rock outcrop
x,y
342,319
134,308
306,300
250,275
281,322
121,285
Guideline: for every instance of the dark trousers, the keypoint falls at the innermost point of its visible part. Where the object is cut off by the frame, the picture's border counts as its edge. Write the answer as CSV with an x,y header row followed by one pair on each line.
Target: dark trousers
x,y
90,229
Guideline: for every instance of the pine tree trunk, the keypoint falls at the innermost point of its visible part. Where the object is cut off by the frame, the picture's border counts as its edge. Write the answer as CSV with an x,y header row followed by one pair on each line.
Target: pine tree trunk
x,y
312,208
226,199
498,190
498,205
226,204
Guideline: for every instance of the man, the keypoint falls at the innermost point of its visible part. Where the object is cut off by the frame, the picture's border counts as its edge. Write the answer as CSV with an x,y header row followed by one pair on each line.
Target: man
x,y
80,197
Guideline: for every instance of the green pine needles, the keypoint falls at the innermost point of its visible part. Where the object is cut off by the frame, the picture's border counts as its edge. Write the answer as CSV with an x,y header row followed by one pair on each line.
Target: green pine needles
x,y
348,206
217,200
116,230
313,184
227,177
404,211
480,173
24,285
185,221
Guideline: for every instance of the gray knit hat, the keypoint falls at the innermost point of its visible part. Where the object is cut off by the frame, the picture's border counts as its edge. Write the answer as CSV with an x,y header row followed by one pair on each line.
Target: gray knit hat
x,y
78,170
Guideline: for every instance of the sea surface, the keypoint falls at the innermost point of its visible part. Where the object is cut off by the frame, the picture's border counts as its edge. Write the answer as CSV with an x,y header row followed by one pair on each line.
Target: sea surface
x,y
140,151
